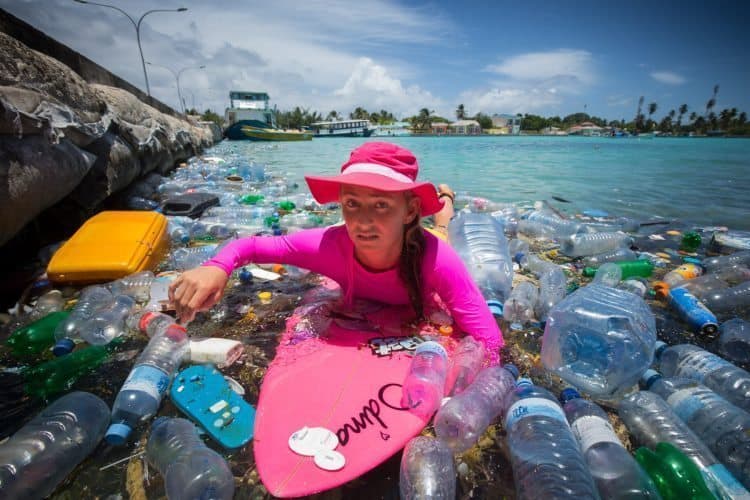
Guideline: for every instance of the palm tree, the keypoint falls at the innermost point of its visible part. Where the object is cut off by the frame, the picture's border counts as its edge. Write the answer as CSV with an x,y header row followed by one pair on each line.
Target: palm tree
x,y
682,109
639,116
651,110
712,102
332,115
423,120
460,112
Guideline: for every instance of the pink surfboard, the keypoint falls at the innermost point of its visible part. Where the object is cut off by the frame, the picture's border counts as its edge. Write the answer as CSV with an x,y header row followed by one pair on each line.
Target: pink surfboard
x,y
348,380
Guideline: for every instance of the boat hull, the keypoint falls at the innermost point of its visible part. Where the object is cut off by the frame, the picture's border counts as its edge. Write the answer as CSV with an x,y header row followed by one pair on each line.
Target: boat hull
x,y
249,131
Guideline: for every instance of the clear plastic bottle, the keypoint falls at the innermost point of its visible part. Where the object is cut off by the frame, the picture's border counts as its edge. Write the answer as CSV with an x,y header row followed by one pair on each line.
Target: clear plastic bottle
x,y
190,469
481,243
713,264
734,340
464,418
638,286
466,363
716,373
424,385
615,255
136,285
38,457
141,394
535,230
552,283
651,421
109,323
518,310
721,425
546,459
517,249
427,470
681,275
561,227
580,245
616,473
91,300
189,258
733,299
599,339
50,302
608,274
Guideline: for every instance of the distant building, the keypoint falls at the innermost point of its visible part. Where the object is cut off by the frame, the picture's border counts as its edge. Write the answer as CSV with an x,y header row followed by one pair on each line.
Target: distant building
x,y
507,124
465,127
393,129
587,129
439,128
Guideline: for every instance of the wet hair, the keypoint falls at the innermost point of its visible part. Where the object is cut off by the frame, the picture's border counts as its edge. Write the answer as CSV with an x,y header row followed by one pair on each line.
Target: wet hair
x,y
410,264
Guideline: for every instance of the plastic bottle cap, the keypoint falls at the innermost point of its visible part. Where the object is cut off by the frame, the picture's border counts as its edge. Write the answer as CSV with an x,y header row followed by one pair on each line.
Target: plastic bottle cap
x,y
495,307
649,377
433,347
278,268
567,394
117,434
513,369
659,347
264,296
245,275
63,347
445,330
329,460
145,320
524,382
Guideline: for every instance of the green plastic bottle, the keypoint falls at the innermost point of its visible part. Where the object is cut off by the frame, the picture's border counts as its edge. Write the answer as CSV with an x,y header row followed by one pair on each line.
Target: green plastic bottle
x,y
675,475
59,375
286,205
33,339
690,242
250,199
630,269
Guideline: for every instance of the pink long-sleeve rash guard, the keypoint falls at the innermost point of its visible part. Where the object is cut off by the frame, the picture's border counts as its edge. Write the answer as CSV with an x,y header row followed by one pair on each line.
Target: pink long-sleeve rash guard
x,y
330,252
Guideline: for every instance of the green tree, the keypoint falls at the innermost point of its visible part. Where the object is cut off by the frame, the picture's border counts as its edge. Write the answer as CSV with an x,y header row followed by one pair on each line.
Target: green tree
x,y
423,120
682,110
639,116
210,116
332,115
651,110
484,121
359,114
460,112
712,102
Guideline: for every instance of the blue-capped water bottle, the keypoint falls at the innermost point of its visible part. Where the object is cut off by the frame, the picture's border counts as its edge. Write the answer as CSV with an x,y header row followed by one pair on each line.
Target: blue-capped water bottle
x,y
190,469
143,390
720,424
424,385
546,459
616,473
716,373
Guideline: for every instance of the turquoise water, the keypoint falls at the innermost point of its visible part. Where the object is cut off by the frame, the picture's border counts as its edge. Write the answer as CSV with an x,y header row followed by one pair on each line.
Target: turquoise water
x,y
701,181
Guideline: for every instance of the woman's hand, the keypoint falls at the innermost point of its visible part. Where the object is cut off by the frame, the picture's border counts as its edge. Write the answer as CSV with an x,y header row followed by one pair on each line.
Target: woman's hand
x,y
197,290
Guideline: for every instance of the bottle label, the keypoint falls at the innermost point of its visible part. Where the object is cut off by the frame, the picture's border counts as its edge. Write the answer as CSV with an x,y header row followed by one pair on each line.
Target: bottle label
x,y
685,403
724,483
698,364
534,407
148,379
590,430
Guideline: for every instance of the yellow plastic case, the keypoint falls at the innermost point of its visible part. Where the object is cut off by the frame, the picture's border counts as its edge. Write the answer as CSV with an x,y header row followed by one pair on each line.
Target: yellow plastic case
x,y
111,245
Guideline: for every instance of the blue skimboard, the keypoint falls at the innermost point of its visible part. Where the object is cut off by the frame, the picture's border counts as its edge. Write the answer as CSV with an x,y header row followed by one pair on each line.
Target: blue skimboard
x,y
204,395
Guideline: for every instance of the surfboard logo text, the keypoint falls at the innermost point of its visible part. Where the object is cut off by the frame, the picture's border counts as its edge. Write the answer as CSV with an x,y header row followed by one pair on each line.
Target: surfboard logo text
x,y
385,346
370,415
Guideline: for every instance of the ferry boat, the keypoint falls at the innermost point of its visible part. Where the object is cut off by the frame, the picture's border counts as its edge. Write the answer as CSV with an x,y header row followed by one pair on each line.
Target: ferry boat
x,y
249,117
342,128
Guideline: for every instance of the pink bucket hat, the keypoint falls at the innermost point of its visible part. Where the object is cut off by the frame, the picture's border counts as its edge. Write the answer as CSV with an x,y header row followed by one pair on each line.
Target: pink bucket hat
x,y
382,166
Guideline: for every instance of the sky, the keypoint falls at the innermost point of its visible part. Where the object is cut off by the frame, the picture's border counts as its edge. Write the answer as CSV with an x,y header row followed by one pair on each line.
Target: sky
x,y
494,56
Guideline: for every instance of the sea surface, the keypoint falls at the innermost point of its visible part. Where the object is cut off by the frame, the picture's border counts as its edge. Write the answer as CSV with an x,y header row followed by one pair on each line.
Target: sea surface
x,y
699,181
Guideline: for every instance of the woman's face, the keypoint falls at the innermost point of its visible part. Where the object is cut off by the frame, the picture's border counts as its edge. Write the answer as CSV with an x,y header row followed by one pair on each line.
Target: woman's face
x,y
375,219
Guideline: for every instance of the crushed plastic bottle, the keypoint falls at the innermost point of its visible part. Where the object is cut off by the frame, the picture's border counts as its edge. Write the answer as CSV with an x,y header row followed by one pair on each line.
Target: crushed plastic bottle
x,y
464,418
716,373
651,421
190,469
608,274
189,258
136,285
37,458
616,474
546,459
427,470
600,340
518,310
92,299
108,324
722,426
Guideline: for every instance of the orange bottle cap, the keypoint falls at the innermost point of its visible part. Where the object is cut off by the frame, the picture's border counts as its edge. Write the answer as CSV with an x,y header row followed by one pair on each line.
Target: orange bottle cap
x,y
445,330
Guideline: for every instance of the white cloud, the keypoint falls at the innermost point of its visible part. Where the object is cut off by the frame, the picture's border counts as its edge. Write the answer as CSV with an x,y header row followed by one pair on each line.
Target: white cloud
x,y
668,77
619,101
371,86
533,82
565,64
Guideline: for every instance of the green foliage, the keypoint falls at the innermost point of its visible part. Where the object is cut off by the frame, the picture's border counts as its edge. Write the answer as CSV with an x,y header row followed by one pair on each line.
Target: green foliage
x,y
210,116
484,120
296,118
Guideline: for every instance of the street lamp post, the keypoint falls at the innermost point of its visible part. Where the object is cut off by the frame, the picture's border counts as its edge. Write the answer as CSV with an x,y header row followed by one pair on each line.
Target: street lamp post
x,y
137,26
177,79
